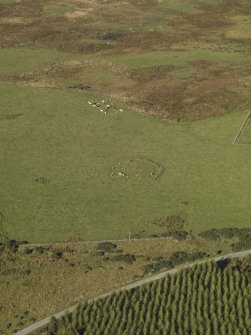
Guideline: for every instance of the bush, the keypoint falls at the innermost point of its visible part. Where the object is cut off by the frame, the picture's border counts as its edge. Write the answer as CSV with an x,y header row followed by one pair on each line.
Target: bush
x,y
245,236
180,257
229,232
176,258
25,250
226,233
241,245
87,268
98,253
52,327
159,265
128,258
12,245
2,247
106,246
170,222
177,234
39,250
211,234
57,255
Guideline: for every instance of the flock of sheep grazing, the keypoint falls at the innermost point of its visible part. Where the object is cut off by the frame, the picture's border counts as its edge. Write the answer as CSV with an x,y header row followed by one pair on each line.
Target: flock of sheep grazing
x,y
103,107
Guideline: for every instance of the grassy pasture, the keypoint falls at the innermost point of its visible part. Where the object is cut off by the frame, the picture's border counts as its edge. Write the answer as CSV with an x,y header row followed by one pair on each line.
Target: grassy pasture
x,y
56,10
74,146
241,29
185,6
182,58
16,61
59,151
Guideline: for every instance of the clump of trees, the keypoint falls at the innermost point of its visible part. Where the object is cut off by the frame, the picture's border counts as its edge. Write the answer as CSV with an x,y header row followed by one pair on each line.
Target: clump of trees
x,y
128,258
11,245
207,299
243,235
106,246
176,258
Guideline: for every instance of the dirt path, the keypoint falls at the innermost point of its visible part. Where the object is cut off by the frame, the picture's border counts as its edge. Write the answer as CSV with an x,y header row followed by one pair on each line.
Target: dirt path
x,y
44,322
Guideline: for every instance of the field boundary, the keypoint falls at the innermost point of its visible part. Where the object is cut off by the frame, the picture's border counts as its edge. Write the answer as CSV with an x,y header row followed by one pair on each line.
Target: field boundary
x,y
128,239
242,129
43,323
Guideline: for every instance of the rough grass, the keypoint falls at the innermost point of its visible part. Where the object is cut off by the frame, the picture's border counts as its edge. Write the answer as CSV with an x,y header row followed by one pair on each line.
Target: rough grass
x,y
16,61
74,146
241,29
183,57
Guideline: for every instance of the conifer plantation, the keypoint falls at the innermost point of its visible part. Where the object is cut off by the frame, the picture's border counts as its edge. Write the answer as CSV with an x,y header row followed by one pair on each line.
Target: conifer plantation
x,y
210,298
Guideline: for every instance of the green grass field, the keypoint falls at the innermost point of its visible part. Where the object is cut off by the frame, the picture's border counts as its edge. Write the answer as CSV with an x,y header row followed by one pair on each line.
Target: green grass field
x,y
16,61
182,58
71,171
58,155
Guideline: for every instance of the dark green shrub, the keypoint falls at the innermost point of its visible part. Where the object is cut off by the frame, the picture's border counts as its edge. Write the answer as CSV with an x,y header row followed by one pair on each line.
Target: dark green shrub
x,y
98,253
211,234
57,255
228,232
2,247
241,245
106,246
118,251
52,327
180,257
245,236
225,232
158,266
12,245
128,258
87,268
27,251
39,250
177,234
